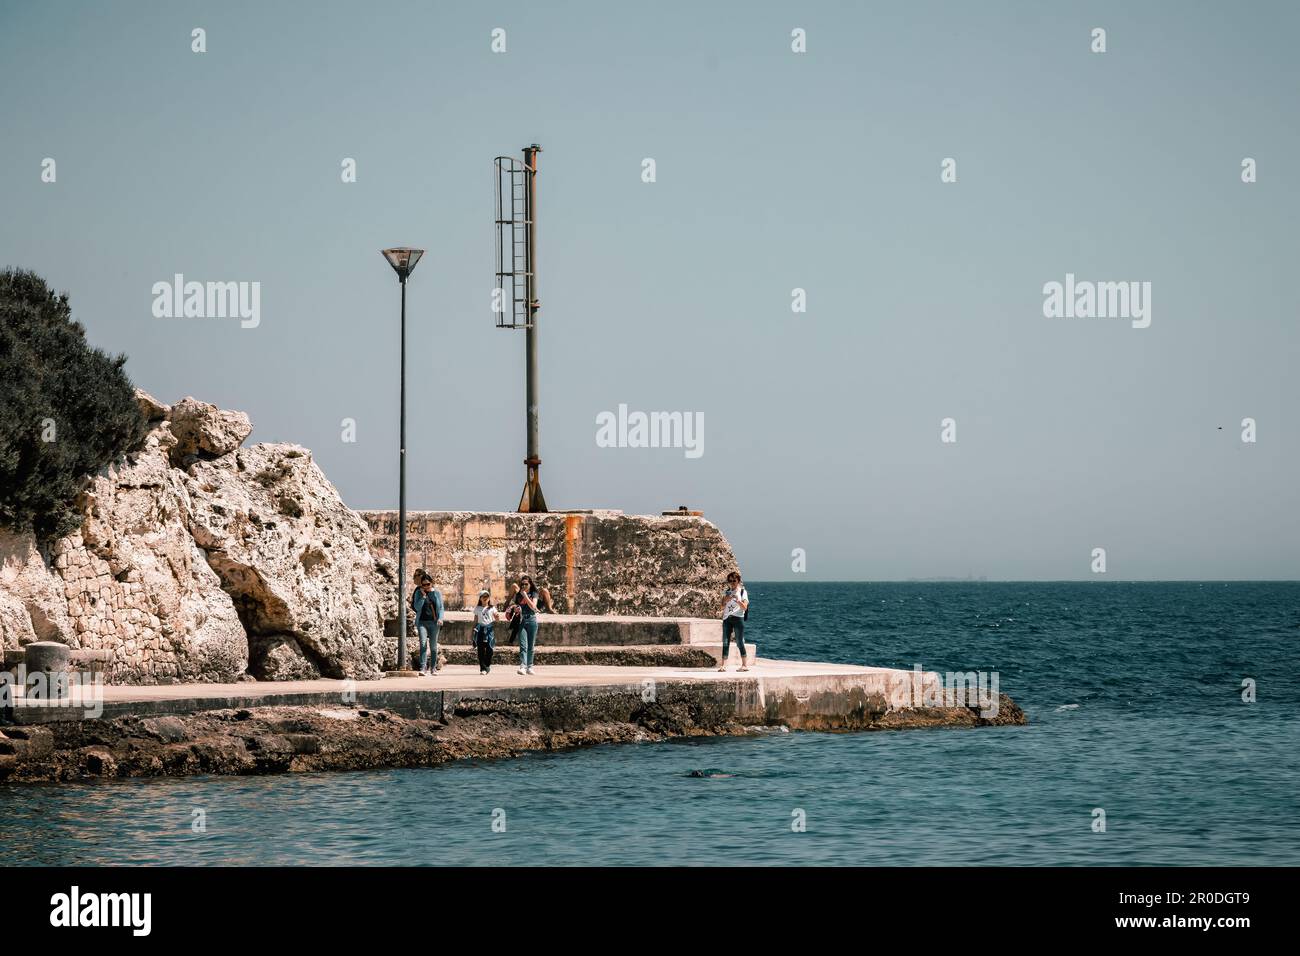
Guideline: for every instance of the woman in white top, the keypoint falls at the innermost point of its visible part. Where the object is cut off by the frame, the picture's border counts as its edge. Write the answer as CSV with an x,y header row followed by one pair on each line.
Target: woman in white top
x,y
735,605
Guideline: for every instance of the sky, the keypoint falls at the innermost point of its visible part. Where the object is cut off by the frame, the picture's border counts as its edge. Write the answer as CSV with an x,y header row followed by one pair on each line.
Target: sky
x,y
774,171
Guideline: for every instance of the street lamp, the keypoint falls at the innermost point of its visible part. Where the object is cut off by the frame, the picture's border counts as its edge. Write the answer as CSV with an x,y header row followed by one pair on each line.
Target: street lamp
x,y
403,262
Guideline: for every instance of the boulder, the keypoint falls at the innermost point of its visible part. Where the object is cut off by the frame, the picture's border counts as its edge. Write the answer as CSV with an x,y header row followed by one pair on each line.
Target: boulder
x,y
152,409
279,657
136,583
294,558
15,622
32,605
199,560
205,431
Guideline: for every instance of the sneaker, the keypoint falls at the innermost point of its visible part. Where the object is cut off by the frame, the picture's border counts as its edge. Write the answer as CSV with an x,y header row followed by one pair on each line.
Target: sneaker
x,y
530,670
522,670
482,671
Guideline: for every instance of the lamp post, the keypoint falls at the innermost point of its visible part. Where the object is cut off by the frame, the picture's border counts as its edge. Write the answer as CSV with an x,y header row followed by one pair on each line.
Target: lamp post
x,y
403,262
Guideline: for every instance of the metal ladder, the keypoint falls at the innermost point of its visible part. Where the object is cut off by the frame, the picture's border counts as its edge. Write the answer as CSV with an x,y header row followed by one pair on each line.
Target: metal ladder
x,y
511,243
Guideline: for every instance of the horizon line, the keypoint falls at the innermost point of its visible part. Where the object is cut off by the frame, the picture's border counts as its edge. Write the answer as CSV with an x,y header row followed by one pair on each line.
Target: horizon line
x,y
941,580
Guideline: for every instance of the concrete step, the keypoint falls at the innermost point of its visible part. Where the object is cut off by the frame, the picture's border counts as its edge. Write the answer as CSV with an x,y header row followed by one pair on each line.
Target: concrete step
x,y
589,630
650,655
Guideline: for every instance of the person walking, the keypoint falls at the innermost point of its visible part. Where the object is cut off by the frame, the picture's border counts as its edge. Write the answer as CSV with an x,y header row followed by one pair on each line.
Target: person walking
x,y
735,608
484,638
525,601
427,604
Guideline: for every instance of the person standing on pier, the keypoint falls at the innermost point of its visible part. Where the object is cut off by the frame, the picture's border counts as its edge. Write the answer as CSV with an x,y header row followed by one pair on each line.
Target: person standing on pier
x,y
735,608
525,599
427,604
485,614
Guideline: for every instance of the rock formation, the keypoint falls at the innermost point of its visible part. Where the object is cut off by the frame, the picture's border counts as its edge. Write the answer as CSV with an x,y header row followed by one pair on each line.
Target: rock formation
x,y
199,560
205,431
138,585
294,558
32,606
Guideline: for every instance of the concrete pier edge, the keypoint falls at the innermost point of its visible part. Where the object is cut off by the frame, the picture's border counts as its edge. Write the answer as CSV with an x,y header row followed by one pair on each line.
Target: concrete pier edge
x,y
793,693
329,725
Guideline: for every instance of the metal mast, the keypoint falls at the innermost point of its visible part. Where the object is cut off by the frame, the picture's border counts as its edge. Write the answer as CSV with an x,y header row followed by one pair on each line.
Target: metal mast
x,y
516,302
532,498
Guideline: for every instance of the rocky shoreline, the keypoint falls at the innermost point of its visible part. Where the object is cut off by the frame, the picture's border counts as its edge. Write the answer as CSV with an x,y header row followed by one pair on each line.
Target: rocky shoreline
x,y
297,739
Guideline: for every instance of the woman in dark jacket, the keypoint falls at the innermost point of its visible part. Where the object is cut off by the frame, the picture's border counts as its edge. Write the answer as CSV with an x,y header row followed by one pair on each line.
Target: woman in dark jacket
x,y
524,621
426,601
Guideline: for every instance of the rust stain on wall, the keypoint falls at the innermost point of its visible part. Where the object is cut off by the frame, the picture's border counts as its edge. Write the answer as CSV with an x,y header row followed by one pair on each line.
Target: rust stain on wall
x,y
571,523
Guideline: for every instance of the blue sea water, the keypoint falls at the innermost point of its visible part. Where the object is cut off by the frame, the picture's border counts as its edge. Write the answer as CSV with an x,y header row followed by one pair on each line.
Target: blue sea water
x,y
1133,693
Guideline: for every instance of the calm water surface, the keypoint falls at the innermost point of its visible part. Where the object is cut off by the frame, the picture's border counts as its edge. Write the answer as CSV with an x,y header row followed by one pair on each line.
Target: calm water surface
x,y
1133,692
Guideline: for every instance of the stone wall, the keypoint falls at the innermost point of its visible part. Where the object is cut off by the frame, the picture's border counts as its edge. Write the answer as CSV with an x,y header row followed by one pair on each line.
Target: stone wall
x,y
597,562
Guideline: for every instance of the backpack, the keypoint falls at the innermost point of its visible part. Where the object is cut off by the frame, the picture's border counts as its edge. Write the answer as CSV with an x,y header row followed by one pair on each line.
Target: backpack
x,y
746,590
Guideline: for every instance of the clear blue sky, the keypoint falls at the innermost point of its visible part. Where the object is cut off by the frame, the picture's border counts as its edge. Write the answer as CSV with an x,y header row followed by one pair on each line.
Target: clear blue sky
x,y
775,171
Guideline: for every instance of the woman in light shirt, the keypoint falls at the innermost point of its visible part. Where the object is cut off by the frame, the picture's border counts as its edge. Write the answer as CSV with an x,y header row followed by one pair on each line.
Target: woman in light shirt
x,y
735,607
485,616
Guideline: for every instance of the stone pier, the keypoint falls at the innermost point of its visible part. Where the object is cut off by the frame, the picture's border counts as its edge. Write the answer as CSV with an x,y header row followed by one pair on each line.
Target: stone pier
x,y
298,726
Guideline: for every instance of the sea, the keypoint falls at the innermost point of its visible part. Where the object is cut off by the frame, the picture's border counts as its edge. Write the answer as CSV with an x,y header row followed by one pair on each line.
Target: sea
x,y
1163,729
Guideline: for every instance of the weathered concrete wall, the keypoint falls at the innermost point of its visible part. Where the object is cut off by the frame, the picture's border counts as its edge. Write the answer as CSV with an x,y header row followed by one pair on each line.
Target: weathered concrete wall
x,y
599,562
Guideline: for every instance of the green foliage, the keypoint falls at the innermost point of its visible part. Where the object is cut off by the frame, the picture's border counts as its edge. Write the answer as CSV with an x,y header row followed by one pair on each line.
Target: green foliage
x,y
66,409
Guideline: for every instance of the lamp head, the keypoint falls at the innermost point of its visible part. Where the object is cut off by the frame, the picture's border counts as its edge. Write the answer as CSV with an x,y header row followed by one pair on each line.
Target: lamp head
x,y
403,260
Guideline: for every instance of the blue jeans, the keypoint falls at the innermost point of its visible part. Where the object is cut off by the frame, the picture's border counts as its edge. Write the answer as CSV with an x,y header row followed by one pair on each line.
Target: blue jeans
x,y
428,631
527,640
729,624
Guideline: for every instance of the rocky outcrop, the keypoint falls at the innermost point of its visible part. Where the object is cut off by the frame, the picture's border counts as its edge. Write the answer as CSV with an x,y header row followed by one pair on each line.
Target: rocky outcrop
x,y
32,607
153,410
139,586
295,559
199,560
205,431
598,562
